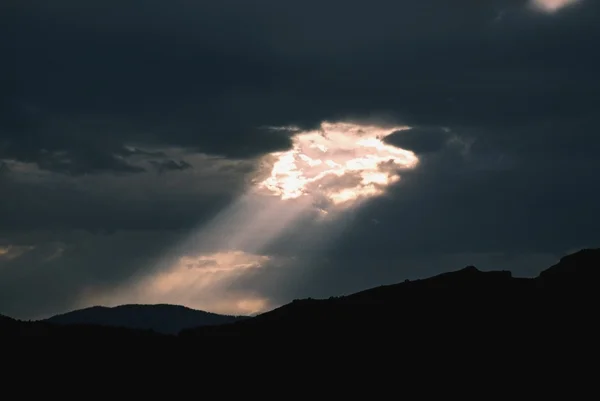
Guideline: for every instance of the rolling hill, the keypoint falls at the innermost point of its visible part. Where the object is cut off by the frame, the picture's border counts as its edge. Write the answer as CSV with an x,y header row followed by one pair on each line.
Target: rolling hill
x,y
161,318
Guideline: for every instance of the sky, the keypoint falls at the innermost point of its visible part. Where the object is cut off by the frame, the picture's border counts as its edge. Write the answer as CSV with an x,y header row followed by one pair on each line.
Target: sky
x,y
234,155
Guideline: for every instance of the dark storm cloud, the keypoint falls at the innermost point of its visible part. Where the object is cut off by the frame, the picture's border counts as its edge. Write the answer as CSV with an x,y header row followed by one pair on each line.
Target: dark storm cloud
x,y
175,79
61,145
4,168
99,204
91,85
419,140
170,165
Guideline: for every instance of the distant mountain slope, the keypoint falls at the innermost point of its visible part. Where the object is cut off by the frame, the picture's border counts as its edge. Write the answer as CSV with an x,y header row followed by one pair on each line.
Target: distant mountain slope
x,y
467,299
166,319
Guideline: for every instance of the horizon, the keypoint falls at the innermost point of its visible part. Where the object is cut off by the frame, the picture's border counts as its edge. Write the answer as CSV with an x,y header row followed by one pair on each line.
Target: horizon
x,y
323,298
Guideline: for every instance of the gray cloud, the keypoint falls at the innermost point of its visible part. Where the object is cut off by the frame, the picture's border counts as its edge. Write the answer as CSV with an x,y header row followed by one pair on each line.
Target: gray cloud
x,y
170,165
90,110
4,169
105,203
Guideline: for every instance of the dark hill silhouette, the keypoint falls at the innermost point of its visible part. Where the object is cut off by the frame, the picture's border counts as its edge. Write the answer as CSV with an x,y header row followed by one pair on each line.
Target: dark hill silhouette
x,y
8,325
11,327
579,269
162,318
464,304
454,302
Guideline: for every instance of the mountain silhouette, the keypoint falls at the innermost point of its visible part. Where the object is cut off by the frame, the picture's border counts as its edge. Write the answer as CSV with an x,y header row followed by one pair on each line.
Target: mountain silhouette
x,y
467,303
162,318
455,302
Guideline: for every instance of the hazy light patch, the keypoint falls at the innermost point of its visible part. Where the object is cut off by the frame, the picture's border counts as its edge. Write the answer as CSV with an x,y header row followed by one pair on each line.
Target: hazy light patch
x,y
199,281
338,165
551,6
233,260
58,252
9,252
25,169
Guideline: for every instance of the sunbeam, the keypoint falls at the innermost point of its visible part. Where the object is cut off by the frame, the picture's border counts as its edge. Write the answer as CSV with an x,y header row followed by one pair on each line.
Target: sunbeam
x,y
299,198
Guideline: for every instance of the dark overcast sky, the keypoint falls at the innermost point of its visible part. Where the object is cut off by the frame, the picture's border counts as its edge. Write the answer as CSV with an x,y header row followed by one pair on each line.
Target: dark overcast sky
x,y
125,125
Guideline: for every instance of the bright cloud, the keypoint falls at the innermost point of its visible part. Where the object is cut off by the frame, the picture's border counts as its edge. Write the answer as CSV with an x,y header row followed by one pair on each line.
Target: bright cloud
x,y
551,6
339,164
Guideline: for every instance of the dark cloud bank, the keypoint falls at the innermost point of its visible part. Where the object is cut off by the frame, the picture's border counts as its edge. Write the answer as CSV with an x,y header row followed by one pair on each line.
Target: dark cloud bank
x,y
124,124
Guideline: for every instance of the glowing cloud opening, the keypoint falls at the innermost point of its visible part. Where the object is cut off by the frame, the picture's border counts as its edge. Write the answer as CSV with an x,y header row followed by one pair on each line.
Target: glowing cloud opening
x,y
551,6
338,165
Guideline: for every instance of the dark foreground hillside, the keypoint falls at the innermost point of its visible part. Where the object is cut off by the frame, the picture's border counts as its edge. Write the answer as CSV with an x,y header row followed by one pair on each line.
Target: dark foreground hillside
x,y
11,328
470,303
